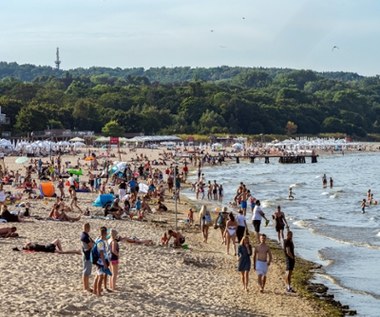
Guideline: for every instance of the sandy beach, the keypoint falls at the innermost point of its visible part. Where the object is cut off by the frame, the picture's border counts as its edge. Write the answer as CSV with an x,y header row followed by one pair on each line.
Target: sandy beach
x,y
153,280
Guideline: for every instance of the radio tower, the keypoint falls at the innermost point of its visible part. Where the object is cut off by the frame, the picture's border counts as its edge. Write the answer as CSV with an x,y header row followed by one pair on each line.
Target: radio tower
x,y
57,61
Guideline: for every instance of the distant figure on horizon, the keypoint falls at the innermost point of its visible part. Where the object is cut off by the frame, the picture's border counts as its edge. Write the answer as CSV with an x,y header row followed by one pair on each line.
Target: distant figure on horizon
x,y
331,182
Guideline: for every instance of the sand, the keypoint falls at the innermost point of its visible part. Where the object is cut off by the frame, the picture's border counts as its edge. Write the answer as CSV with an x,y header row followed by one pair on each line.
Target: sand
x,y
153,280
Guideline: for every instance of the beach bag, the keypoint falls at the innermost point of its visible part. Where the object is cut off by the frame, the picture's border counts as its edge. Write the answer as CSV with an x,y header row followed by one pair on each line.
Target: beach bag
x,y
220,220
95,253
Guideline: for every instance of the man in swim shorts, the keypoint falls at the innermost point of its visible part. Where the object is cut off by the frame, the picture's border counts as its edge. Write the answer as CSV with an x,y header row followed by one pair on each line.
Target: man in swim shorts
x,y
87,244
262,257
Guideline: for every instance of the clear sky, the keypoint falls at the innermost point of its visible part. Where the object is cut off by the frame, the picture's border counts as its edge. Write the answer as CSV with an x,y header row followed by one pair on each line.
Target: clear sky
x,y
322,35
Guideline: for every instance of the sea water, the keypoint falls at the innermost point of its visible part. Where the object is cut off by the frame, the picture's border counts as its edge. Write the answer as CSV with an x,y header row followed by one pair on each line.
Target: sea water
x,y
328,225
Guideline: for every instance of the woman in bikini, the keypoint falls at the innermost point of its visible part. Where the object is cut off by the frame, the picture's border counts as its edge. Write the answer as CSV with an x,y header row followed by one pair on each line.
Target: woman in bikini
x,y
114,250
230,232
280,221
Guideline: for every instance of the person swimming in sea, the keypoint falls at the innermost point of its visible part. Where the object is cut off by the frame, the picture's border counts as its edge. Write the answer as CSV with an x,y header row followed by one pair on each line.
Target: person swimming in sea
x,y
291,194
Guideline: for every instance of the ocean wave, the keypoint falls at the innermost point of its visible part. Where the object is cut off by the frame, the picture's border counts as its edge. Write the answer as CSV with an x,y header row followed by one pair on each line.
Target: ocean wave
x,y
339,282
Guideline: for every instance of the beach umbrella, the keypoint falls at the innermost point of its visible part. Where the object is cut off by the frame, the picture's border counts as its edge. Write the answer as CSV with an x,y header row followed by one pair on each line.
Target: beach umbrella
x,y
76,139
74,171
79,144
21,160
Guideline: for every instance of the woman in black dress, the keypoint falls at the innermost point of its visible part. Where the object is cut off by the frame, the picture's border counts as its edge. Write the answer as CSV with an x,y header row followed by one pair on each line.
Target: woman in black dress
x,y
244,266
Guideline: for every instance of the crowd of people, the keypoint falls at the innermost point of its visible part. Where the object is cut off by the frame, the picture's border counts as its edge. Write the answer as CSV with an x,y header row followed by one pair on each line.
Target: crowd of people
x,y
129,202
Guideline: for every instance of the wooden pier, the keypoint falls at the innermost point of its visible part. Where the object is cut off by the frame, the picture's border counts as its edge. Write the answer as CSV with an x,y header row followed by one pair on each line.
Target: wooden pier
x,y
285,159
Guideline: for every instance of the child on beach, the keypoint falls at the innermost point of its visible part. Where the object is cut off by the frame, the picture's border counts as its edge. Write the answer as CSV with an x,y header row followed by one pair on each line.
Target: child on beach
x,y
190,216
164,239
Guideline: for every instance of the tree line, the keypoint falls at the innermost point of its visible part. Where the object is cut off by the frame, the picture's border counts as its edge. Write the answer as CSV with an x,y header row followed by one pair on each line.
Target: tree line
x,y
185,100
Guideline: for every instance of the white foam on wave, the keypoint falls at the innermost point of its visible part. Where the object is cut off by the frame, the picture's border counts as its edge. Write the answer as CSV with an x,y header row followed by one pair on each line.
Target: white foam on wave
x,y
301,223
325,193
334,196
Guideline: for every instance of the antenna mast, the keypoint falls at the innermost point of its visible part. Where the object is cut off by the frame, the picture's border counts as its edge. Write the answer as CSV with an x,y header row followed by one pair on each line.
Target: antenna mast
x,y
57,61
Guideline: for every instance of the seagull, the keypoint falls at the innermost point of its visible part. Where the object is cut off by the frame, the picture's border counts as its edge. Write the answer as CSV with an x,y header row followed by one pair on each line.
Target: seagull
x,y
211,30
335,47
243,18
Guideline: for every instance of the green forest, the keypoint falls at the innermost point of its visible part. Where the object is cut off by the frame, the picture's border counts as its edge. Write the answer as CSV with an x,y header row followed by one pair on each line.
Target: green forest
x,y
184,100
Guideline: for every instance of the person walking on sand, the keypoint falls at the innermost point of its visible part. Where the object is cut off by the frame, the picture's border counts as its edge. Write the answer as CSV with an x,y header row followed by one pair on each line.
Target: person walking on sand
x,y
205,221
262,258
230,232
242,225
244,260
257,216
87,244
114,260
290,260
280,222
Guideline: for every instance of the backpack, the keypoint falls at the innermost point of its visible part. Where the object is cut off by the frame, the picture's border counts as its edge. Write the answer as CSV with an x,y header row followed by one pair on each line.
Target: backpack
x,y
95,253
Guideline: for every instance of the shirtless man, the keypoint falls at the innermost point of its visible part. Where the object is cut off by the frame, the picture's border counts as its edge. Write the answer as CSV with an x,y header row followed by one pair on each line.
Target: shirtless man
x,y
8,232
262,257
215,187
179,239
243,197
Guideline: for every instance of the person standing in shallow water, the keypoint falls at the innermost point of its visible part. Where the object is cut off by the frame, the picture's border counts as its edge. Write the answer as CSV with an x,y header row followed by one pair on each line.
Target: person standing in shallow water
x,y
280,222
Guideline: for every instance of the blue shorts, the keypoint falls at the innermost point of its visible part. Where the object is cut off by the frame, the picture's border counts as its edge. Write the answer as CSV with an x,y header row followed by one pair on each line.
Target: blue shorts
x,y
243,204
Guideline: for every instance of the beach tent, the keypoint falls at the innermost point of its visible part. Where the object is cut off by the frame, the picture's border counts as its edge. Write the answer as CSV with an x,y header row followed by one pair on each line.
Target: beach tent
x,y
47,189
103,200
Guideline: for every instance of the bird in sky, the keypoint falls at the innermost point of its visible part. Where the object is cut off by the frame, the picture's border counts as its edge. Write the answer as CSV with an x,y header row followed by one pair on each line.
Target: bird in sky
x,y
211,30
334,48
